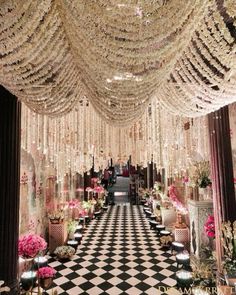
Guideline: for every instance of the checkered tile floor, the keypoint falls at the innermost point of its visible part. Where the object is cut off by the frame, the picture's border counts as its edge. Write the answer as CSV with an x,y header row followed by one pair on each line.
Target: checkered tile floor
x,y
119,254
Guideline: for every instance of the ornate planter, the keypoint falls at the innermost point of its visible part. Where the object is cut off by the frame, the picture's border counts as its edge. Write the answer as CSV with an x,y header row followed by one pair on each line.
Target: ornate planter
x,y
45,283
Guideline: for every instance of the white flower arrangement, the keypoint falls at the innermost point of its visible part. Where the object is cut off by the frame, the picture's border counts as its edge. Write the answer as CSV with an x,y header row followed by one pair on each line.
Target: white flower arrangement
x,y
64,252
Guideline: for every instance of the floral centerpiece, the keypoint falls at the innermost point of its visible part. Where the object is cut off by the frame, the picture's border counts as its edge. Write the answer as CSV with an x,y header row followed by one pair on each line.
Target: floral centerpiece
x,y
73,203
157,186
229,245
201,175
31,245
56,216
175,201
46,272
207,252
45,277
87,205
64,252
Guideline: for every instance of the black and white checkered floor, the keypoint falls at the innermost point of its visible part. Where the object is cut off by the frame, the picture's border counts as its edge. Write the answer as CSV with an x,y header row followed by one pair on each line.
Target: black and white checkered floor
x,y
119,254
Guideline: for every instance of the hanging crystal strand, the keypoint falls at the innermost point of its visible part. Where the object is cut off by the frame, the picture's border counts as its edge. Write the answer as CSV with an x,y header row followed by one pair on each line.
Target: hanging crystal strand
x,y
206,139
155,134
149,134
82,127
77,127
79,149
38,141
159,158
87,139
145,137
76,138
28,130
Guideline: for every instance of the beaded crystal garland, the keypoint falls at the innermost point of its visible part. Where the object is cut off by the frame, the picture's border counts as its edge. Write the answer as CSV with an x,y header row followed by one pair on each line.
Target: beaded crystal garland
x,y
76,140
119,55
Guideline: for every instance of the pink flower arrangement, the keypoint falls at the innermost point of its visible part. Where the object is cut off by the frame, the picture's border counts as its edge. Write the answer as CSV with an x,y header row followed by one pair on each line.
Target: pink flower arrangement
x,y
98,189
73,203
46,272
30,245
210,227
175,201
185,179
89,189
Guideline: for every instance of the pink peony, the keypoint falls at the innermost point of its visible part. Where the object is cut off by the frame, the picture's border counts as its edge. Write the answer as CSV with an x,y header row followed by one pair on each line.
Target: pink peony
x,y
30,245
98,189
211,234
46,272
209,227
73,203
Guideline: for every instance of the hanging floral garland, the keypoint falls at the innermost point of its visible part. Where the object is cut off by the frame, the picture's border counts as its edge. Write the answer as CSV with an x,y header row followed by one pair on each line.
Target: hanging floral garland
x,y
119,56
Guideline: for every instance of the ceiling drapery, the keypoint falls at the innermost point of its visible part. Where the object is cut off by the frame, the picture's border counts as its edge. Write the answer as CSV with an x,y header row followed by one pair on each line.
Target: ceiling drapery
x,y
119,56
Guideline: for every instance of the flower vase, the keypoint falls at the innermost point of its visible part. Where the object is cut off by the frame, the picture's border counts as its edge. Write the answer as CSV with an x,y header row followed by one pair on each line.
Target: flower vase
x,y
56,220
45,283
25,264
202,193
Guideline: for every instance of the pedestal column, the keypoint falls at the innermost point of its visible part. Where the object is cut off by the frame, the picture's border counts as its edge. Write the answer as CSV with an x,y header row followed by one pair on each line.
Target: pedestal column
x,y
9,188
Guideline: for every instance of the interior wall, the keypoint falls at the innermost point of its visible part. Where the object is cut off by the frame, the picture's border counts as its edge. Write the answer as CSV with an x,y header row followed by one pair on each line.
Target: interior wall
x,y
41,193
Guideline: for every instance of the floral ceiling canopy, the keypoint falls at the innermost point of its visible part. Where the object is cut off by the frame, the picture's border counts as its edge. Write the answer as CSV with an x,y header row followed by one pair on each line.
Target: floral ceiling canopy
x,y
120,55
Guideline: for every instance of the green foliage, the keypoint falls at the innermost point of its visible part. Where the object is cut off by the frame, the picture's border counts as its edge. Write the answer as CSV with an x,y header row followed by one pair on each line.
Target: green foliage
x,y
71,226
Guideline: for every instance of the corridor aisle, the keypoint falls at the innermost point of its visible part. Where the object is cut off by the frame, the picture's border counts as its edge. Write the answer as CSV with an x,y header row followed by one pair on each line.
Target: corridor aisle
x,y
120,190
119,254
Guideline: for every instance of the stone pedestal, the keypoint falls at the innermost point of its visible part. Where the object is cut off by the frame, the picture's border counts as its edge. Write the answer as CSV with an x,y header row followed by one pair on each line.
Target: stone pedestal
x,y
198,213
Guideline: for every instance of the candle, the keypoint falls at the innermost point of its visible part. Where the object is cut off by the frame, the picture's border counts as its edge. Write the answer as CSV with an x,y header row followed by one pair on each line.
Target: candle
x,y
28,279
40,261
182,258
178,247
184,278
72,242
29,275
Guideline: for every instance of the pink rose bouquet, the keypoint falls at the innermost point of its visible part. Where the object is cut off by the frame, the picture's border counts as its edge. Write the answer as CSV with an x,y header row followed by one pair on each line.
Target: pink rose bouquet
x,y
46,272
30,245
210,227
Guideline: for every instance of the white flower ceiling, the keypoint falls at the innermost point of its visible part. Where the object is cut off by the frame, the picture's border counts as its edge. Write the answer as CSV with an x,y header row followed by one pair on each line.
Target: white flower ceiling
x,y
120,55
